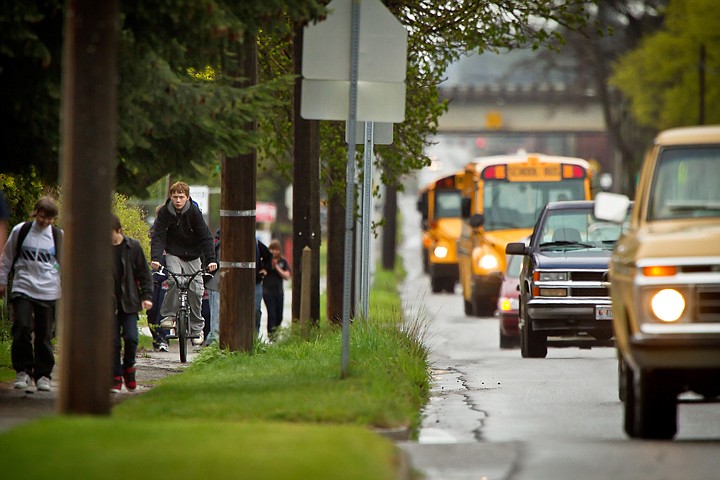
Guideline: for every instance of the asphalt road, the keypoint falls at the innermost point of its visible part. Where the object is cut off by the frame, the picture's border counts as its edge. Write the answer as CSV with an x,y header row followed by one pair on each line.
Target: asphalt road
x,y
495,415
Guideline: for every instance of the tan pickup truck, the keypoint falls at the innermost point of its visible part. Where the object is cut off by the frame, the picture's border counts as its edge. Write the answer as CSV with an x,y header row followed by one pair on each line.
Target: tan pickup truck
x,y
665,281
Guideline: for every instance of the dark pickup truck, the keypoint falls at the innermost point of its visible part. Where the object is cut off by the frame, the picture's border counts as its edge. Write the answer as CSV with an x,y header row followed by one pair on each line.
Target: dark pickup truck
x,y
563,291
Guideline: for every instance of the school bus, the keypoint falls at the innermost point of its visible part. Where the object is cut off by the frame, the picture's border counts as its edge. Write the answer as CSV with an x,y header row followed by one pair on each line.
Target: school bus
x,y
439,204
502,196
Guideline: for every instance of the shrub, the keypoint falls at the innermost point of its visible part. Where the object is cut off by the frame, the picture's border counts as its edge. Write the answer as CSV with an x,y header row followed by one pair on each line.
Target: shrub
x,y
132,219
21,193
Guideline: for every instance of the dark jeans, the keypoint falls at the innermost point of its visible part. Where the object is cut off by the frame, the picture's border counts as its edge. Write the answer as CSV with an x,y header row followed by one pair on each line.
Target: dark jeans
x,y
126,331
258,303
274,302
33,316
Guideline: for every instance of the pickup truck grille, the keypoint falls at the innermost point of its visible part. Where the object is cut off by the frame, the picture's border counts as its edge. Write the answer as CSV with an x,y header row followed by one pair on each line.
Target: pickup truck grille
x,y
587,277
708,304
589,292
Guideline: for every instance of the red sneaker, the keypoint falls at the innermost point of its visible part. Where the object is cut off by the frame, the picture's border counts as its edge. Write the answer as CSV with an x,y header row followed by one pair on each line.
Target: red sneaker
x,y
116,385
129,377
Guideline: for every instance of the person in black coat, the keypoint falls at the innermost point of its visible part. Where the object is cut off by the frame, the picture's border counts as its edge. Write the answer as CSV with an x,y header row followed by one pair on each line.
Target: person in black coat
x,y
133,290
181,232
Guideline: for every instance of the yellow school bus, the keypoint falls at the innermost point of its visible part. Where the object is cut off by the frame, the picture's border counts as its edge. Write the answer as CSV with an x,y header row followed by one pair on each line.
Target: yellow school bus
x,y
439,204
502,196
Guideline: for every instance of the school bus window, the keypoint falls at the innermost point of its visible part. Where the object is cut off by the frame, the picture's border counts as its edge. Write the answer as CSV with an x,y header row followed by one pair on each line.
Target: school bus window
x,y
517,204
447,203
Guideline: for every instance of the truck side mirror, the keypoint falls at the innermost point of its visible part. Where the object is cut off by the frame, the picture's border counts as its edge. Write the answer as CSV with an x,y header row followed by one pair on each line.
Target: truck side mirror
x,y
515,248
611,207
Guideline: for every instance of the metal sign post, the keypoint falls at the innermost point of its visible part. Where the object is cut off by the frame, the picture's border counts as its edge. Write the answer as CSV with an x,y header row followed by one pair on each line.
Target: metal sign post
x,y
350,189
374,92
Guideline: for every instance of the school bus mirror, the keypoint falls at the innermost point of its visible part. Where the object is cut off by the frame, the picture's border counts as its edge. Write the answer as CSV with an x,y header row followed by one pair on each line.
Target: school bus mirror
x,y
477,220
422,206
465,208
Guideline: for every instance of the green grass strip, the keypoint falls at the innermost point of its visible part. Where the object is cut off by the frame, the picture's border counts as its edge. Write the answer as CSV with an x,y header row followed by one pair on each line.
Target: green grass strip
x,y
97,448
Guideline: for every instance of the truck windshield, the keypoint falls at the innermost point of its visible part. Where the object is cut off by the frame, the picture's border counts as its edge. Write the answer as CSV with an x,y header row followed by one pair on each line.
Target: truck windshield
x,y
685,184
579,228
508,205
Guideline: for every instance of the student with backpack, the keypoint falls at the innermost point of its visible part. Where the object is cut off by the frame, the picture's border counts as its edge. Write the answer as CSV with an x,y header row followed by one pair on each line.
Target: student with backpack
x,y
30,265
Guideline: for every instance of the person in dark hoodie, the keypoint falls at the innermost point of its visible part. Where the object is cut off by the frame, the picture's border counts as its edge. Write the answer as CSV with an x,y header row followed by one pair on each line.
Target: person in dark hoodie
x,y
181,232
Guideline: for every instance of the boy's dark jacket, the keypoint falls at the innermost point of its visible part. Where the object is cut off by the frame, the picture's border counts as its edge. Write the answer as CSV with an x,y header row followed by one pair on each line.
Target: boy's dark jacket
x,y
136,284
186,235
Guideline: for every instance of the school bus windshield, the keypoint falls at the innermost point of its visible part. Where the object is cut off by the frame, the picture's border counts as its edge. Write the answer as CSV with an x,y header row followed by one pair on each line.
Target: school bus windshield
x,y
447,203
508,205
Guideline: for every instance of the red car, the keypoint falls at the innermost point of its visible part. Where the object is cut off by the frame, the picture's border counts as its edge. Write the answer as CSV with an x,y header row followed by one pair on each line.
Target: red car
x,y
507,307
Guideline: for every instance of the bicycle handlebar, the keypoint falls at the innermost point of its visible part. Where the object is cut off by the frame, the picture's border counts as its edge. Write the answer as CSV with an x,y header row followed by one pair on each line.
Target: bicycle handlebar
x,y
163,270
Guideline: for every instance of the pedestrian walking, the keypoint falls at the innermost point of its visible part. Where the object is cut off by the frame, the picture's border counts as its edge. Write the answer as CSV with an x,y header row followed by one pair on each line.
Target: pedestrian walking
x,y
159,334
212,286
181,232
273,292
30,267
133,291
263,264
4,219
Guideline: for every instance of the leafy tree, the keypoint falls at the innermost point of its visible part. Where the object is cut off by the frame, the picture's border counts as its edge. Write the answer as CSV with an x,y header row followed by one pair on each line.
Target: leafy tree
x,y
21,192
662,76
171,119
132,219
587,54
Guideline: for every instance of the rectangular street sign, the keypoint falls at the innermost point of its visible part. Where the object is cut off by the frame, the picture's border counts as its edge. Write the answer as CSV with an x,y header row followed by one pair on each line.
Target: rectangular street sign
x,y
376,101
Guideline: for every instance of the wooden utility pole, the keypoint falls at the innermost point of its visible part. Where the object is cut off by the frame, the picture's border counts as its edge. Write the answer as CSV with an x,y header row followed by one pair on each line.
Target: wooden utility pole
x,y
336,250
306,193
88,155
389,232
701,75
237,230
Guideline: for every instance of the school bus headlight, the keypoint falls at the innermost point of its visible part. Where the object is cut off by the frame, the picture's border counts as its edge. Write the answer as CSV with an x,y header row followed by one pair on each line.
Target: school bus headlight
x,y
668,305
488,262
440,252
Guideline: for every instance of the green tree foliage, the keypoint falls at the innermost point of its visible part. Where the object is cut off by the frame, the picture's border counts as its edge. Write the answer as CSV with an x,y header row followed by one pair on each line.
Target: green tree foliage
x,y
170,120
662,76
132,219
21,193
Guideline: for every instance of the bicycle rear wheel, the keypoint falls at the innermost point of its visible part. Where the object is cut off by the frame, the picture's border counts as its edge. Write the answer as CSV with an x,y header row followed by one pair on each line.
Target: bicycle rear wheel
x,y
182,334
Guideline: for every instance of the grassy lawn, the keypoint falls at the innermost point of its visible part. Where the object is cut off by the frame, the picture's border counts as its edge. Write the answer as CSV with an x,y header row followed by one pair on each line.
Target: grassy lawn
x,y
279,412
109,448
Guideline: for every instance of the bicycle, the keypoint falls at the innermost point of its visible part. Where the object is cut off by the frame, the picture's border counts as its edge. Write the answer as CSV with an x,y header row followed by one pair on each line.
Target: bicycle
x,y
182,317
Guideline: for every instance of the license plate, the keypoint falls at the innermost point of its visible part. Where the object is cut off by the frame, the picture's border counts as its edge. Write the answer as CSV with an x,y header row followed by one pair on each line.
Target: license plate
x,y
603,313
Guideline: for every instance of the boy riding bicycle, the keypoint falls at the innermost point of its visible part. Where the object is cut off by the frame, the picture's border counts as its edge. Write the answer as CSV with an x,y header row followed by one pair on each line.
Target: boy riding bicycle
x,y
181,232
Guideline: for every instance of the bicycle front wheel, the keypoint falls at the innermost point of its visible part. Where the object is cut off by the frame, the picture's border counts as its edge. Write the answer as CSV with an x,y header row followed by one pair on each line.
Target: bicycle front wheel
x,y
182,334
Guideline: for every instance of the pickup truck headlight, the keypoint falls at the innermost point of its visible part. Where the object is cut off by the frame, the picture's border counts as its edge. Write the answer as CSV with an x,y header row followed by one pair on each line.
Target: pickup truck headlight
x,y
552,292
667,305
440,252
552,276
